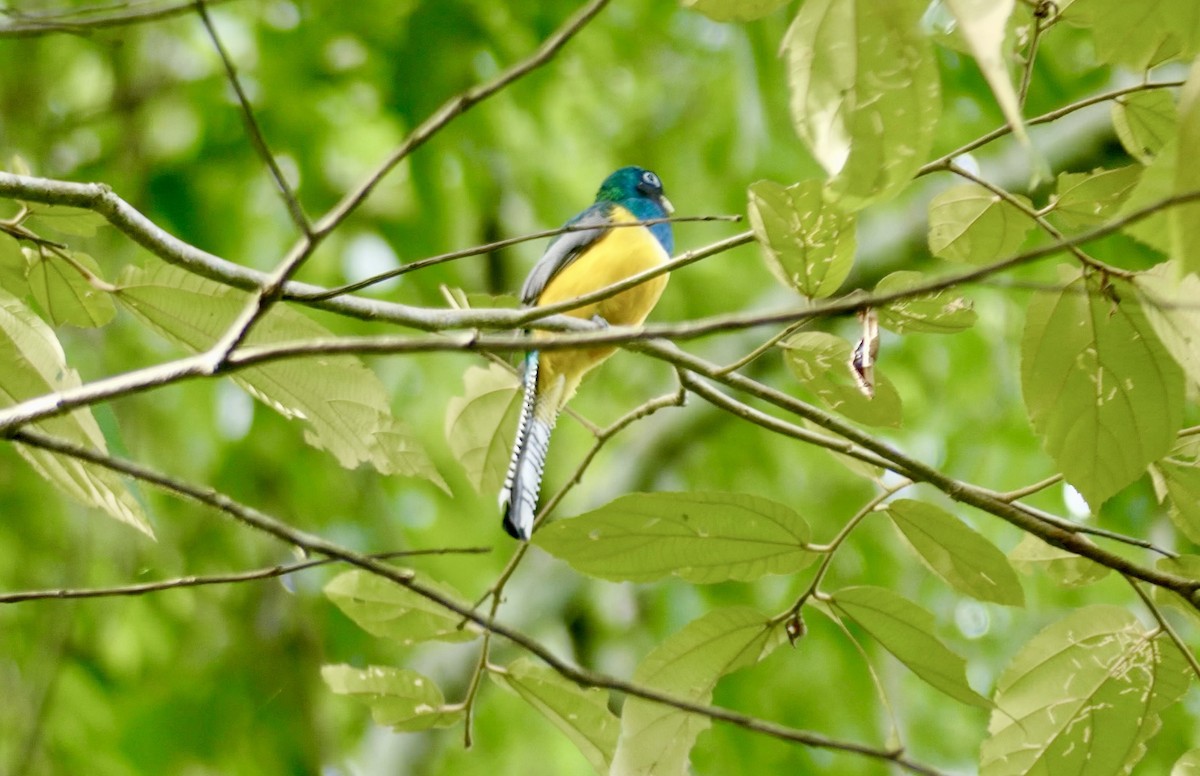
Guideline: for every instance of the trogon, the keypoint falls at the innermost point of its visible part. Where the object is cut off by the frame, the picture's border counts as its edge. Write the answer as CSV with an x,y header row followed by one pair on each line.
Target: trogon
x,y
595,254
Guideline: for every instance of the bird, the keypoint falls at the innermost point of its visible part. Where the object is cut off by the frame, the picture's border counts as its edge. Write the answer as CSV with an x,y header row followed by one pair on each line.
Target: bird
x,y
594,254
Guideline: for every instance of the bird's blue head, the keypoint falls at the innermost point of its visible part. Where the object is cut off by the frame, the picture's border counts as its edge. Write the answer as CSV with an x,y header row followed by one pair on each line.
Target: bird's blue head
x,y
640,192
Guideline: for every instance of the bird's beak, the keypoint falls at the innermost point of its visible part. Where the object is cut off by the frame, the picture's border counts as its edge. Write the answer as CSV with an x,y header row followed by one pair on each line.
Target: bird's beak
x,y
667,206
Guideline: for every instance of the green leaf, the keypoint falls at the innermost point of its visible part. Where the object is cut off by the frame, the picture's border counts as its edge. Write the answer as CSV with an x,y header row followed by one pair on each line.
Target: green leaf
x,y
1101,390
1082,697
72,221
1184,219
1156,184
939,312
1169,302
656,739
734,10
1144,122
865,93
582,714
822,363
481,422
1086,200
808,243
957,553
1184,566
1141,34
399,697
971,224
34,365
983,24
906,630
14,267
65,295
701,537
390,610
1181,479
1033,556
1188,765
343,404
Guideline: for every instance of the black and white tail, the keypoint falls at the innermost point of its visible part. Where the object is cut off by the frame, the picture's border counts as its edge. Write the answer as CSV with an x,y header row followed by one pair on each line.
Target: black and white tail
x,y
522,484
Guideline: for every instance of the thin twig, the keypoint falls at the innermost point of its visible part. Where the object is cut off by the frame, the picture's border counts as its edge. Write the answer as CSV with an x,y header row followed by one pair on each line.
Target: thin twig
x,y
269,572
31,26
1166,626
259,141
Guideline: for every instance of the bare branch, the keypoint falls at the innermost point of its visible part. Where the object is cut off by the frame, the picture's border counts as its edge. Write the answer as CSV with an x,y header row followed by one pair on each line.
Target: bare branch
x,y
26,25
269,572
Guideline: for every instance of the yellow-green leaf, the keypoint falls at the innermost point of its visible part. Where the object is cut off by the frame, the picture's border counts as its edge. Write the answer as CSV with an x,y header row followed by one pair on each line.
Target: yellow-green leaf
x,y
906,630
865,92
807,241
480,424
1169,300
72,221
581,714
1157,183
1082,697
701,537
1140,34
956,552
343,404
391,610
1144,122
1185,219
1033,556
821,362
1086,200
398,697
1188,765
65,295
983,24
34,365
939,312
1101,390
971,224
655,739
14,267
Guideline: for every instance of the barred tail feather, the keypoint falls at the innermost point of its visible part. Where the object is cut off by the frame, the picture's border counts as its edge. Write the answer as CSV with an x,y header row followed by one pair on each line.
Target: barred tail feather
x,y
522,484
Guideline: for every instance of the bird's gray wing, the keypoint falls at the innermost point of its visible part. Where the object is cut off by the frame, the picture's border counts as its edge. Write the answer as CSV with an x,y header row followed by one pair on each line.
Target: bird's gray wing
x,y
565,249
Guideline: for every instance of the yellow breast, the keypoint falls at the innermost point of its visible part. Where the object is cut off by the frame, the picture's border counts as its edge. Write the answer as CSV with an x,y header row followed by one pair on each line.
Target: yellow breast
x,y
620,253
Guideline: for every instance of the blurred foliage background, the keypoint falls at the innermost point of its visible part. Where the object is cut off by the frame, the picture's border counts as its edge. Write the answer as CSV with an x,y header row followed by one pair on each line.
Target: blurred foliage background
x,y
225,679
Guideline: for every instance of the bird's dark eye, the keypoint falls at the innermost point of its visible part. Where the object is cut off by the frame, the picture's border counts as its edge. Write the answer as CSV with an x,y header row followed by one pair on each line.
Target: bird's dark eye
x,y
651,180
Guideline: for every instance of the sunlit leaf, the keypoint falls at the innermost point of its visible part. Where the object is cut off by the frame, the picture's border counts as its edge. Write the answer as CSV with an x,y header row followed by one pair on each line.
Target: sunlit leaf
x,y
971,224
1101,390
582,714
939,312
865,93
821,362
1033,557
734,10
65,295
14,267
701,537
1184,566
808,242
34,365
983,24
1170,302
399,697
906,630
1188,765
343,404
1140,34
1087,200
72,221
391,610
1177,477
656,739
956,552
481,422
1185,219
1144,122
1082,697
